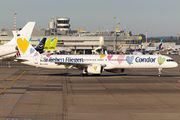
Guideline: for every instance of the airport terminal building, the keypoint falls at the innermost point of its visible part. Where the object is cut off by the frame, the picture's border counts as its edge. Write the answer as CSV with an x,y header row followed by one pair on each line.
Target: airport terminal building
x,y
82,42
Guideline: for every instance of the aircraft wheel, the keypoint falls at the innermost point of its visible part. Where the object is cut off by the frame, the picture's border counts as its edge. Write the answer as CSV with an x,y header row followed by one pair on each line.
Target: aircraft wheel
x,y
82,75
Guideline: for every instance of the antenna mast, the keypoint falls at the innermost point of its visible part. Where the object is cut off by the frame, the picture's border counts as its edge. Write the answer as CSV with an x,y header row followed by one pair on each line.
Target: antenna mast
x,y
15,20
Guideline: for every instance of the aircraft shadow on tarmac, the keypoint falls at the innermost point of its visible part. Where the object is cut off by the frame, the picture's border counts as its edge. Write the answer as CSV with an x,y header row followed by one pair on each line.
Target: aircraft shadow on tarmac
x,y
111,75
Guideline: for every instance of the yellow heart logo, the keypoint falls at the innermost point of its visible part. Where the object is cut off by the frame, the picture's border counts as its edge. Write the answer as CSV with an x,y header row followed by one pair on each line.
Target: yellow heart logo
x,y
101,56
22,44
95,67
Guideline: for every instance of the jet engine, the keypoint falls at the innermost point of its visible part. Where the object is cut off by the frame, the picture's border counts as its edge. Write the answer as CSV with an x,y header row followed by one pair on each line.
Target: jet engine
x,y
117,70
94,69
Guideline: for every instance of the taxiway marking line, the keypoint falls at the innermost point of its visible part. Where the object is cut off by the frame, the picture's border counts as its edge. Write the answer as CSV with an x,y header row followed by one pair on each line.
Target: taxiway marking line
x,y
12,82
169,85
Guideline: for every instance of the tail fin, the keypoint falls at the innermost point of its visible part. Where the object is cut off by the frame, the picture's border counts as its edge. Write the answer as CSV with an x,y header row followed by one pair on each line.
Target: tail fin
x,y
26,31
52,40
40,46
47,44
160,45
53,45
25,48
150,43
161,41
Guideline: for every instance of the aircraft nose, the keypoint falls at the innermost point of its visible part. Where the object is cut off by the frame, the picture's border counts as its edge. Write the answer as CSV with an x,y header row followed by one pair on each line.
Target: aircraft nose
x,y
175,64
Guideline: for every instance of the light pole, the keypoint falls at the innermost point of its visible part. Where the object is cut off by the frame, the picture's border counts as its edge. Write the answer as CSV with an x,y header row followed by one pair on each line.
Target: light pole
x,y
114,33
114,22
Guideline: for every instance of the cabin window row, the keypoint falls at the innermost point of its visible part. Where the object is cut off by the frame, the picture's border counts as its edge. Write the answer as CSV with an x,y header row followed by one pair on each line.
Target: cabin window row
x,y
104,60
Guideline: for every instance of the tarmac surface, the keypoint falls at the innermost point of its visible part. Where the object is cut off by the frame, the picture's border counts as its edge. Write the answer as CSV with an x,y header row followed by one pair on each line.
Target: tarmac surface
x,y
42,94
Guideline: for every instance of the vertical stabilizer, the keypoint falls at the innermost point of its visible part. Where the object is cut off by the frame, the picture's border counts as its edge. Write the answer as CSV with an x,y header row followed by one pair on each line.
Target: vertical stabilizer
x,y
47,44
40,46
53,44
150,43
25,48
160,45
26,31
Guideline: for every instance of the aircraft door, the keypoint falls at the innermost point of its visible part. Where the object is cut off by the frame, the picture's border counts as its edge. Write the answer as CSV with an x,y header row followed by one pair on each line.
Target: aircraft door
x,y
36,60
2,49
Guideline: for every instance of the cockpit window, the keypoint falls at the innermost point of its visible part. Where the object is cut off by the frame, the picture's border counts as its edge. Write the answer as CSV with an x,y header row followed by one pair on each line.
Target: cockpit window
x,y
169,60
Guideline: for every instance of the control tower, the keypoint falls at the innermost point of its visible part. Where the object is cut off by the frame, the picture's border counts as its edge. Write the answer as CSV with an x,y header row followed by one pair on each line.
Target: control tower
x,y
63,24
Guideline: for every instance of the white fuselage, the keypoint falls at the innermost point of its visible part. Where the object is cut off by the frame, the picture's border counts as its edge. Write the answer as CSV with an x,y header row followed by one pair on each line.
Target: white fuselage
x,y
7,51
108,61
150,49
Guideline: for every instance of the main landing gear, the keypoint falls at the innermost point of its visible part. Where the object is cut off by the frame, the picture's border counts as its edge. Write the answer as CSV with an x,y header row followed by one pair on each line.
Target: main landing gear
x,y
84,74
160,71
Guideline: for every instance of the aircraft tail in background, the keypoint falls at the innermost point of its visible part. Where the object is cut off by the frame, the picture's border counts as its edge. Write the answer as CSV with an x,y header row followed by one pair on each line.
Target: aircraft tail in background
x,y
40,46
47,44
160,45
26,31
53,44
150,43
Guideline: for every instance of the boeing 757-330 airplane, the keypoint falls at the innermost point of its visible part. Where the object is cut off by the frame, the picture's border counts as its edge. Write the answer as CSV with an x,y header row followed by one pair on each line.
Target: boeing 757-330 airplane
x,y
93,64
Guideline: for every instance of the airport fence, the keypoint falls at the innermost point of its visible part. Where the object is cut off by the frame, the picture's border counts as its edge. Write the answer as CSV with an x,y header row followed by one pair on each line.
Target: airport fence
x,y
5,63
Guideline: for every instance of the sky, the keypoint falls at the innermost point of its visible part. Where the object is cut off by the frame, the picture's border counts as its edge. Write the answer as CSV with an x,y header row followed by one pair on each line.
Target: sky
x,y
157,17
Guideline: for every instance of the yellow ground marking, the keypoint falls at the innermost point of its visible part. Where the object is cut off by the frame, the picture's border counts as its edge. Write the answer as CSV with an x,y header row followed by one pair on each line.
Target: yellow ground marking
x,y
9,79
12,82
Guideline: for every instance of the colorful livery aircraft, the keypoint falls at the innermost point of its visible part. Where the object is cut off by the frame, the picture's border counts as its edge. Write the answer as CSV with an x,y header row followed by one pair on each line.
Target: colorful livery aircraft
x,y
9,49
93,64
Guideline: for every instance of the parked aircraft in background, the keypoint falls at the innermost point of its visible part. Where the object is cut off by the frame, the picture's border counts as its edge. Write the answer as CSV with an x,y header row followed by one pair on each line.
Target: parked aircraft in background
x,y
9,49
131,51
45,46
93,64
174,47
148,48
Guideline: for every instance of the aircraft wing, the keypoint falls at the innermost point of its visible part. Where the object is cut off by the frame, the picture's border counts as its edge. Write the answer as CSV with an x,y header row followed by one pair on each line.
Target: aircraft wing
x,y
21,60
77,65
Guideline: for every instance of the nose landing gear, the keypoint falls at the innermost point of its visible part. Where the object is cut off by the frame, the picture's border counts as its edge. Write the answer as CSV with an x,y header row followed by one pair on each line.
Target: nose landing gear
x,y
160,71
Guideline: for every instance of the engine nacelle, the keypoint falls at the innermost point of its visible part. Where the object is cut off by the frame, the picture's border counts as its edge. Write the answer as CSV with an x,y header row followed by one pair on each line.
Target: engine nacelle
x,y
117,70
95,69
